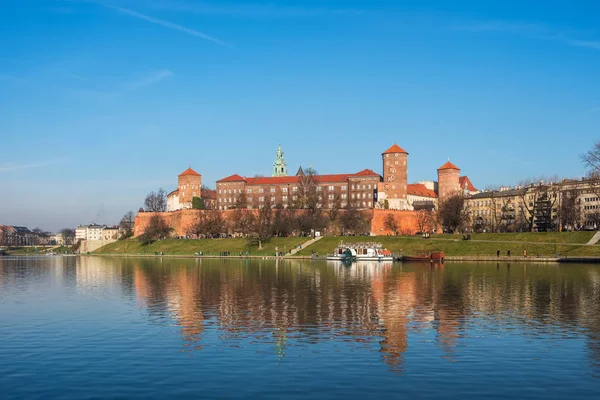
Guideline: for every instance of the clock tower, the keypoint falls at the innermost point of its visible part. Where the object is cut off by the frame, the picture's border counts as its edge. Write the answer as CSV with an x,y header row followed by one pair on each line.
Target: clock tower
x,y
395,176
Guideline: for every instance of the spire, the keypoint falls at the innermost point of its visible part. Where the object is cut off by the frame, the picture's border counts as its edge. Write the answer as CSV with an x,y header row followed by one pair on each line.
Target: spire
x,y
279,166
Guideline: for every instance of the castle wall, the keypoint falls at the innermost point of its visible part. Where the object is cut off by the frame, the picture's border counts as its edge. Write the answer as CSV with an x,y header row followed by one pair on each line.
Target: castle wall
x,y
182,219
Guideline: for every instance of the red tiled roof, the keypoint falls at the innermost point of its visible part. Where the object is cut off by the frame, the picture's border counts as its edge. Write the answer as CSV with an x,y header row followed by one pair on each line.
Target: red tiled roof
x,y
189,171
395,149
465,183
366,172
283,180
233,178
418,189
448,165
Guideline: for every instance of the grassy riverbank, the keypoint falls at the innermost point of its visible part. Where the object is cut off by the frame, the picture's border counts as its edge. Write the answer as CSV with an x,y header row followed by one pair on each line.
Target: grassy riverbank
x,y
567,244
206,246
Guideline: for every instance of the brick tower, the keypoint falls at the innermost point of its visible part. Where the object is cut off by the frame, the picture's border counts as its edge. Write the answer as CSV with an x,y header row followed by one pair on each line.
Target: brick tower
x,y
189,184
448,181
395,177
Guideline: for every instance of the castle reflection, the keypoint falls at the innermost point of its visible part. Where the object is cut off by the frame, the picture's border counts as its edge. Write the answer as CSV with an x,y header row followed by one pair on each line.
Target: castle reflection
x,y
377,305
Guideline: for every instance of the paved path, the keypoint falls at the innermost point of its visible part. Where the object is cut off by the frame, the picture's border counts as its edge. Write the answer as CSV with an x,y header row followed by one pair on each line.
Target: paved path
x,y
594,239
304,245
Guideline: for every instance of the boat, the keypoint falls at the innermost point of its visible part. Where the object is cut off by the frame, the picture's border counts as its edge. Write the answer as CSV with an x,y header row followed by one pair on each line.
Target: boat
x,y
426,256
361,251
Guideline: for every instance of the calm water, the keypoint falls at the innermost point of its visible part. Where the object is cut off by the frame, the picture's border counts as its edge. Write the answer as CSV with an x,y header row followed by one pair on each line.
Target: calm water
x,y
147,328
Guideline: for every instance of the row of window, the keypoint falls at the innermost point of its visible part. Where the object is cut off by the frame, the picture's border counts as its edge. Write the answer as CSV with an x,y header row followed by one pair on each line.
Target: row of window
x,y
295,189
364,204
593,207
588,199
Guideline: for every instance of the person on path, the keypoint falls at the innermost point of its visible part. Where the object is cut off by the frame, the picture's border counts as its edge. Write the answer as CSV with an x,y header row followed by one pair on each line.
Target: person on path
x,y
498,253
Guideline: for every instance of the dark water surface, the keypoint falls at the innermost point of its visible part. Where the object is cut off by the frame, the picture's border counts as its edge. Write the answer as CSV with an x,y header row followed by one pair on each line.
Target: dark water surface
x,y
149,328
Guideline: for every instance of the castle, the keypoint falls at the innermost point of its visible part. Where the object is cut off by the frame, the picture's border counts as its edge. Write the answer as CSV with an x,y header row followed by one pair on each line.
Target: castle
x,y
363,190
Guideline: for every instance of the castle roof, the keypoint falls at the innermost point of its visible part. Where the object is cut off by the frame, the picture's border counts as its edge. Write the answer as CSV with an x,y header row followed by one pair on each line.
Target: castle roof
x,y
173,193
465,183
418,189
189,171
283,180
366,172
448,165
233,178
395,149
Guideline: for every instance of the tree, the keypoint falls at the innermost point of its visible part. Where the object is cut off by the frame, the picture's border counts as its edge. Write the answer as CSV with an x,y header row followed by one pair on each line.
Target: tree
x,y
591,159
241,201
242,221
424,221
126,224
283,220
156,201
353,220
308,198
198,203
391,224
40,236
453,213
386,204
156,229
570,209
68,235
262,227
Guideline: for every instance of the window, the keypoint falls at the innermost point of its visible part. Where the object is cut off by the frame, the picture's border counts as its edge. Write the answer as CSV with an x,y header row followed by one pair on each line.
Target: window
x,y
295,189
353,195
261,190
284,198
249,191
352,187
344,187
272,198
284,190
330,197
272,190
364,187
319,188
368,186
344,196
343,205
294,197
330,187
261,198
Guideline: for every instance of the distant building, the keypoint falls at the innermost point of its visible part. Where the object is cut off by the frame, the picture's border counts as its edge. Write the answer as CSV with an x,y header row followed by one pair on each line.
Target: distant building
x,y
89,232
16,236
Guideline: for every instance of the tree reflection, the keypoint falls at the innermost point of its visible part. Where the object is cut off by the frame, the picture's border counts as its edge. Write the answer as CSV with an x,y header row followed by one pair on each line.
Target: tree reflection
x,y
291,302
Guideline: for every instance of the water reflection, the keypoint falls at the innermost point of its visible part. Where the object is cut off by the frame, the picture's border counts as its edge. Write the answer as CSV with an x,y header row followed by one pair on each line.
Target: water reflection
x,y
297,303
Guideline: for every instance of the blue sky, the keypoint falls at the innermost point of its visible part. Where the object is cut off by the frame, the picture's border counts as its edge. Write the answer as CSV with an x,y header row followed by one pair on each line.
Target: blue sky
x,y
101,102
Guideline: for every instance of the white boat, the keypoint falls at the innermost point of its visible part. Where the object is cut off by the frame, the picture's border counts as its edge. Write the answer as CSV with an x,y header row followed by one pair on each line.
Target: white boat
x,y
362,251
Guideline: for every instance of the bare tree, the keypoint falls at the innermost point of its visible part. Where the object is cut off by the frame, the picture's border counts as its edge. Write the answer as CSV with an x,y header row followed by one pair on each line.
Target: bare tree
x,y
591,159
156,229
262,227
570,215
242,221
156,201
126,224
68,235
453,213
241,201
391,224
425,220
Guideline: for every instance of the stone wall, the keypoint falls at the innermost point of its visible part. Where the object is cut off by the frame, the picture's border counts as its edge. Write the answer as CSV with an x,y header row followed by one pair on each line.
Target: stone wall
x,y
182,219
407,220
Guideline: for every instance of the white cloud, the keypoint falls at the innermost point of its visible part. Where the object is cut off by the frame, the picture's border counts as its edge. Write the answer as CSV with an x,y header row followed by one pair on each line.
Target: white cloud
x,y
168,24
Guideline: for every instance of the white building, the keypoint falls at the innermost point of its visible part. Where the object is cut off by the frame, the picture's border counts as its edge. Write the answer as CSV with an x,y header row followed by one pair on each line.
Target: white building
x,y
89,232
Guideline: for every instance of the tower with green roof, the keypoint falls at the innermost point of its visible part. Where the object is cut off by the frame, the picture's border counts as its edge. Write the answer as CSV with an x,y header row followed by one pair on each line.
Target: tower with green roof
x,y
279,166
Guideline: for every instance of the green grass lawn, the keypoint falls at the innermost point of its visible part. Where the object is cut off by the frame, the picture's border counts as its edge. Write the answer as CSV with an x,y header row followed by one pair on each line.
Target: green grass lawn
x,y
206,246
568,244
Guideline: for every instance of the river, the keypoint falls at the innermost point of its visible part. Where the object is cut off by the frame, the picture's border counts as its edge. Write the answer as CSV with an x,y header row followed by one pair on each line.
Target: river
x,y
101,327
